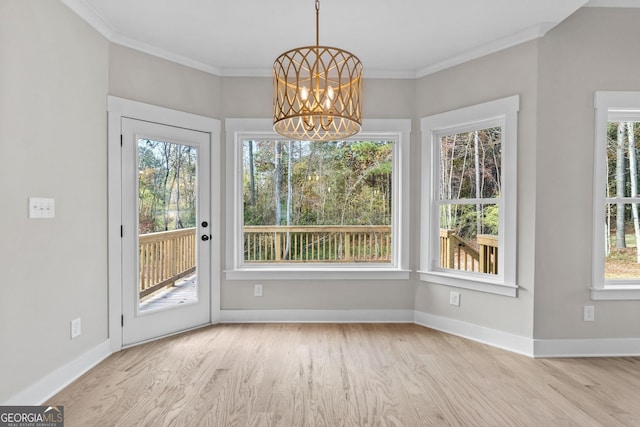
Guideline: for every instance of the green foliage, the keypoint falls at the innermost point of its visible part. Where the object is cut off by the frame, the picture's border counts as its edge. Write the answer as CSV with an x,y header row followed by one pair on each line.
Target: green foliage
x,y
333,183
166,186
490,219
470,168
467,217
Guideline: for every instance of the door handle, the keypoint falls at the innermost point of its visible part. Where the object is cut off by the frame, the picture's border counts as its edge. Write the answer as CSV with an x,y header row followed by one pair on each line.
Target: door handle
x,y
205,237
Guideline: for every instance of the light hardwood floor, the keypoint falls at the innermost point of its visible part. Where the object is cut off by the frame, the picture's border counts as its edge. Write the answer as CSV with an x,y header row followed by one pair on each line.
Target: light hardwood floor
x,y
346,375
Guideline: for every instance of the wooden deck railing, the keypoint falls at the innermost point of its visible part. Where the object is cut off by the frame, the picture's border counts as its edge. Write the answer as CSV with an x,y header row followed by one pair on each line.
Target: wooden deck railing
x,y
331,243
166,257
488,251
458,254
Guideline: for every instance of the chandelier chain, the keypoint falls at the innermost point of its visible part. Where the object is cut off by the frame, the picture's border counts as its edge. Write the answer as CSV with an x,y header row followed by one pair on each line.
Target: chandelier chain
x,y
317,22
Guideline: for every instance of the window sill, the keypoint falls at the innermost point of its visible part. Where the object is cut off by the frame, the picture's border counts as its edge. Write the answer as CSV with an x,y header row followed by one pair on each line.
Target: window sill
x,y
616,293
317,273
469,283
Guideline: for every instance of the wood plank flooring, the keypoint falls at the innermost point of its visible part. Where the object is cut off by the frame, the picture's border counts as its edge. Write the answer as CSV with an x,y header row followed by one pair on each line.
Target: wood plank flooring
x,y
346,375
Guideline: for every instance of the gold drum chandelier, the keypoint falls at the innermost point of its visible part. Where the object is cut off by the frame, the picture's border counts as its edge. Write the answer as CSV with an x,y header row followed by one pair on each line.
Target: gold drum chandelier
x,y
317,92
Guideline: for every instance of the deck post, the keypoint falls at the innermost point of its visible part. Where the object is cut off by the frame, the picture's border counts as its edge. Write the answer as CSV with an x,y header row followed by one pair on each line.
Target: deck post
x,y
278,248
347,246
451,251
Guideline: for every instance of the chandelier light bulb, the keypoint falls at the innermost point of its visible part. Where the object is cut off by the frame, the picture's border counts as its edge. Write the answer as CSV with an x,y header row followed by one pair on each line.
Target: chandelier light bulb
x,y
330,93
304,93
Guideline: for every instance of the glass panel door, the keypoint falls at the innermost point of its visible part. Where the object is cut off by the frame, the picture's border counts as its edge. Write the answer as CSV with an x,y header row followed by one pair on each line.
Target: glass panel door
x,y
166,235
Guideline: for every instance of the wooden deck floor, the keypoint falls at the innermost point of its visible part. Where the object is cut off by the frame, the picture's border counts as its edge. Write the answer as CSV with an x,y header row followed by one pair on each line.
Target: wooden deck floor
x,y
186,290
346,375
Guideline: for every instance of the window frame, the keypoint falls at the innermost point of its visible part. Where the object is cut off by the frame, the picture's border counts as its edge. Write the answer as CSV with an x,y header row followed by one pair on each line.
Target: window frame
x,y
502,112
609,105
238,130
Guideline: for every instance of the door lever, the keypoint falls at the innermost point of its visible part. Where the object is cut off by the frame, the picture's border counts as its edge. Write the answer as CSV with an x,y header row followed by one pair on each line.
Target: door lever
x,y
205,237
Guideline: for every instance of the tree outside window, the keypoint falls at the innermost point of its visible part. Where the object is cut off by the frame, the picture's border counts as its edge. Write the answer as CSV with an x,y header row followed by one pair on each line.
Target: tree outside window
x,y
167,186
333,210
321,202
469,203
622,259
469,193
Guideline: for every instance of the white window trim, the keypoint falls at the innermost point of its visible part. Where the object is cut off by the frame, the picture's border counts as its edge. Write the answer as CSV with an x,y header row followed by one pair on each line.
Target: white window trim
x,y
608,105
239,129
505,112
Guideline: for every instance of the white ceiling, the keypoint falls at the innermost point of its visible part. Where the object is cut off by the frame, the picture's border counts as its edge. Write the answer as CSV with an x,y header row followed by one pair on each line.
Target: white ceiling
x,y
399,39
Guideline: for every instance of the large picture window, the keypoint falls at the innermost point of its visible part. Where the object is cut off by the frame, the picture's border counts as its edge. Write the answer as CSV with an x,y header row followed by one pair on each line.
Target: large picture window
x,y
468,215
317,201
328,207
616,264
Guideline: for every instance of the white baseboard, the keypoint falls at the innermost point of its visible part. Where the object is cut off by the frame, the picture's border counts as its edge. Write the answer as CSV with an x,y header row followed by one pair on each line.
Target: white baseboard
x,y
482,334
605,347
50,384
316,316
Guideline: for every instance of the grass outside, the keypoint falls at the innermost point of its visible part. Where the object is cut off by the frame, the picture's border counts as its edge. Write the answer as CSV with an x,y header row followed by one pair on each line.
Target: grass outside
x,y
622,263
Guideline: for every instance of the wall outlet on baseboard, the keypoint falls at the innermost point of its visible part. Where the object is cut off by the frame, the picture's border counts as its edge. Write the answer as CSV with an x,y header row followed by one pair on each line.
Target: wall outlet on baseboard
x,y
589,314
257,290
454,298
76,328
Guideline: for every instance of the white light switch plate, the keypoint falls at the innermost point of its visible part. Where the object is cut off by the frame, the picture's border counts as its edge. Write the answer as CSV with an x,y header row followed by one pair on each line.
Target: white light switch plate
x,y
41,208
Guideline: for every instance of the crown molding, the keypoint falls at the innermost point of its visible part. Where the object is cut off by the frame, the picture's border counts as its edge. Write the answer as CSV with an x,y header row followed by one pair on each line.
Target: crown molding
x,y
96,21
369,73
93,18
118,38
613,3
526,35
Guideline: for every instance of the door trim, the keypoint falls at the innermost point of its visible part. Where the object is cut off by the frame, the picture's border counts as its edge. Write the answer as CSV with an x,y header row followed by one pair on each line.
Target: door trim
x,y
118,108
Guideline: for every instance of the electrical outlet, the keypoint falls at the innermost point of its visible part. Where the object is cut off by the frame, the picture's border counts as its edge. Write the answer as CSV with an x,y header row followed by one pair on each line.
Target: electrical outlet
x,y
41,208
589,313
454,298
257,291
76,328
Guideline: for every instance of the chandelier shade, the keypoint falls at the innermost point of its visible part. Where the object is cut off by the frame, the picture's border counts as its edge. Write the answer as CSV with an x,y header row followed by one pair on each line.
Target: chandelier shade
x,y
317,93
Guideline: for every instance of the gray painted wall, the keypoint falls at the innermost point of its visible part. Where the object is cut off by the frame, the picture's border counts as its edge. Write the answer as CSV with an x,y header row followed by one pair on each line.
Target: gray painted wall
x,y
146,78
53,81
509,72
594,49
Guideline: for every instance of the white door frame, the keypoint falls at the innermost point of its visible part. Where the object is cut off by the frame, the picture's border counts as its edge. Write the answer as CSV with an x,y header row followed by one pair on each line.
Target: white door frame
x,y
117,109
